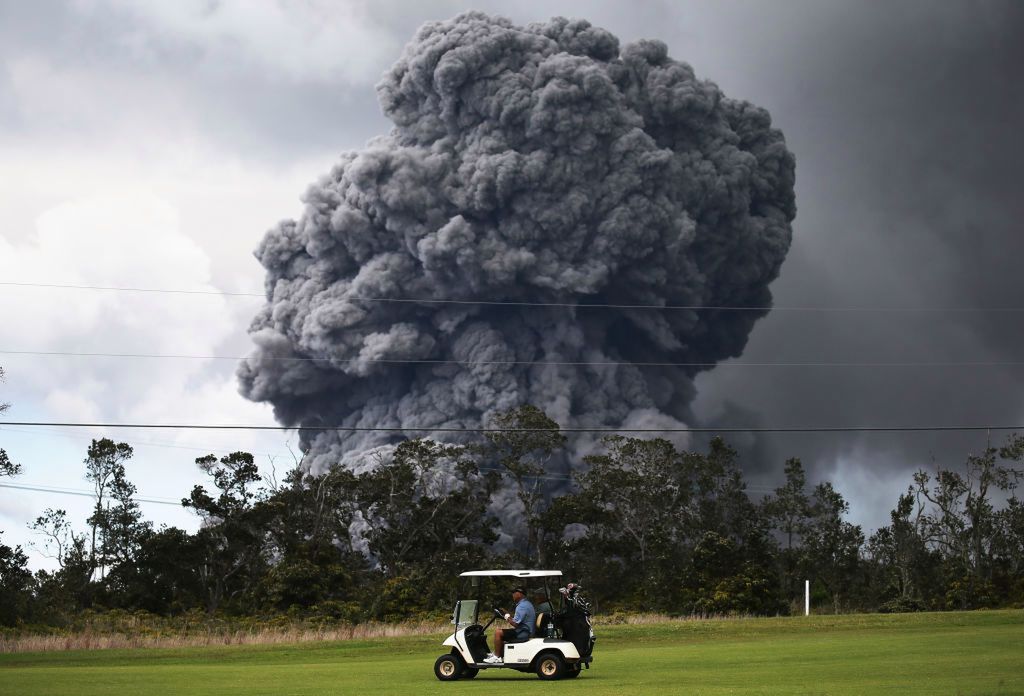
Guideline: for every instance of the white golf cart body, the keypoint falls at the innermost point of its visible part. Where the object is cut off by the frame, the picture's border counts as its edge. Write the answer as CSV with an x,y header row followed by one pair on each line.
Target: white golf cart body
x,y
522,656
516,654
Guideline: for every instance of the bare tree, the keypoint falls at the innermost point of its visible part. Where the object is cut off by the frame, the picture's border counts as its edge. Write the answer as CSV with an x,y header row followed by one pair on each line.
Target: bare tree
x,y
59,539
962,522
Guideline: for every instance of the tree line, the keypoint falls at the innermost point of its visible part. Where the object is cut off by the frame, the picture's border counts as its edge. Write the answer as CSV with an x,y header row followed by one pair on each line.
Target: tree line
x,y
644,525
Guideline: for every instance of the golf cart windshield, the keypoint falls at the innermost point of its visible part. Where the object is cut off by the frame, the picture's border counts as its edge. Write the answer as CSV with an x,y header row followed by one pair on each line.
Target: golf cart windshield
x,y
466,612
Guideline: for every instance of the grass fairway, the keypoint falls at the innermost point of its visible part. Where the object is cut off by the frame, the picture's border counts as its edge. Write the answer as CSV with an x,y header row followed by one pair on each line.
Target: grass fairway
x,y
954,653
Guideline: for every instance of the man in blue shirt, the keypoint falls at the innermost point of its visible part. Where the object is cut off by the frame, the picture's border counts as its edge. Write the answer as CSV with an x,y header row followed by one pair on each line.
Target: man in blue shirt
x,y
522,623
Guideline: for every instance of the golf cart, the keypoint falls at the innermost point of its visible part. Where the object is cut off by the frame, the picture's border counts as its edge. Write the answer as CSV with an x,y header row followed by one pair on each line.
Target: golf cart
x,y
562,642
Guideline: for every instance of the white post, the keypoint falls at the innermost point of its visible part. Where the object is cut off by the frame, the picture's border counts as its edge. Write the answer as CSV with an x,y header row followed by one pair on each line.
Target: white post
x,y
807,597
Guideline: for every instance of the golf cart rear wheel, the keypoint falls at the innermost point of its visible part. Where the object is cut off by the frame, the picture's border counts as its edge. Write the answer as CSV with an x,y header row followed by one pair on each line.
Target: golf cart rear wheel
x,y
550,666
447,668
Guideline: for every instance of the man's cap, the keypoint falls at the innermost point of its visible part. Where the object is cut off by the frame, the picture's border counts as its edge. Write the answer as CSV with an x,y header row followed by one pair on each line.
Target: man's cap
x,y
519,589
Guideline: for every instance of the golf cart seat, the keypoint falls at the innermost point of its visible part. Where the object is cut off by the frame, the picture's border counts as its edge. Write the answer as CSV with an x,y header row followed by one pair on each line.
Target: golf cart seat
x,y
541,625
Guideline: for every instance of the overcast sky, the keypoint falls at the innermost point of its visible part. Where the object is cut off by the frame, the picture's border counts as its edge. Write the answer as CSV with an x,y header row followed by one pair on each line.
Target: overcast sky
x,y
152,144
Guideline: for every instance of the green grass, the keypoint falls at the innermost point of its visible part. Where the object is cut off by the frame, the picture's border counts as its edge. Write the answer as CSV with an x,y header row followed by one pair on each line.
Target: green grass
x,y
953,653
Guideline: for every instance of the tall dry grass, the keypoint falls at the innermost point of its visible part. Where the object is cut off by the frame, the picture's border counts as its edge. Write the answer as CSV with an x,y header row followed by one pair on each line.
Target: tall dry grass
x,y
92,640
141,635
641,618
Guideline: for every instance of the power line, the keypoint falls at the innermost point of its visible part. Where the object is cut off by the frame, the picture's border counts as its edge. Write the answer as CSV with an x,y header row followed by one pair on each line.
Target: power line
x,y
482,429
519,303
161,291
158,501
83,493
145,443
558,363
570,477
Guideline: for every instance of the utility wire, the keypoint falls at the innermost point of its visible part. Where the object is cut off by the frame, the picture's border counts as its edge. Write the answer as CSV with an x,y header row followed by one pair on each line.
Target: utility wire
x,y
161,291
429,429
569,477
146,443
83,493
559,363
567,305
158,501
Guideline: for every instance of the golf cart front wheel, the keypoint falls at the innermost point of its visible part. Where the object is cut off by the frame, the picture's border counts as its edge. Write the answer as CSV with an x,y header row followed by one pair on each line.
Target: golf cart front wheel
x,y
470,672
447,668
573,671
550,666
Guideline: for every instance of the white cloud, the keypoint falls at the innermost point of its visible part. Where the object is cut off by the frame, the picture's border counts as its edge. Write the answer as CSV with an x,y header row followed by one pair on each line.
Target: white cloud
x,y
15,508
129,173
67,405
312,40
75,98
220,201
871,482
132,240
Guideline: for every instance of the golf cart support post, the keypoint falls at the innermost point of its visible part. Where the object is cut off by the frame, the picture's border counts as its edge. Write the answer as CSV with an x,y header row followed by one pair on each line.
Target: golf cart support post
x,y
551,653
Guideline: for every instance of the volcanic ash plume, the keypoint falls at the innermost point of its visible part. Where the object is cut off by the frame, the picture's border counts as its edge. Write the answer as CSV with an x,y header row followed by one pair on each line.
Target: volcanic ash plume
x,y
536,164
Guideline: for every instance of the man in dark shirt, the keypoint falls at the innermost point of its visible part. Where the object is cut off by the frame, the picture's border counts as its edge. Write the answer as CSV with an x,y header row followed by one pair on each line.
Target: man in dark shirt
x,y
541,603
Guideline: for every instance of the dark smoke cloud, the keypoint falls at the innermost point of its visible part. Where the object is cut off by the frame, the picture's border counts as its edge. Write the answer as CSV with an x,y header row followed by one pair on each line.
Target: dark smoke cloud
x,y
526,164
906,117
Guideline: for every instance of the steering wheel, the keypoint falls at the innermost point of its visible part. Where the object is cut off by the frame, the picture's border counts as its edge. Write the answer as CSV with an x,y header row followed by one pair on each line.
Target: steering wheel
x,y
497,615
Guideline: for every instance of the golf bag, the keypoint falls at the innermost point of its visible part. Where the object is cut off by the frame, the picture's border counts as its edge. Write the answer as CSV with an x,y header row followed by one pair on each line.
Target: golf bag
x,y
574,620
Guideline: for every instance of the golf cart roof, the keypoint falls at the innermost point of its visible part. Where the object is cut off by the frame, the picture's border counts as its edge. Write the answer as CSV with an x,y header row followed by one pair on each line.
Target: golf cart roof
x,y
513,573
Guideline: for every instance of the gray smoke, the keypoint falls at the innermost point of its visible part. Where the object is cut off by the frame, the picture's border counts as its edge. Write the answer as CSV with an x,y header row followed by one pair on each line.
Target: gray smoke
x,y
536,164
